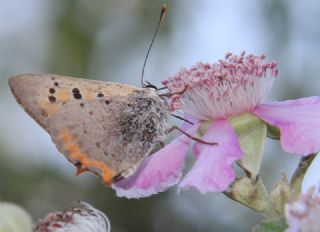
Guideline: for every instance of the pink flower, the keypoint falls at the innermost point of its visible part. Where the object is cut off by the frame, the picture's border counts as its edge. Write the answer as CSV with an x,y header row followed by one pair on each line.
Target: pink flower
x,y
214,94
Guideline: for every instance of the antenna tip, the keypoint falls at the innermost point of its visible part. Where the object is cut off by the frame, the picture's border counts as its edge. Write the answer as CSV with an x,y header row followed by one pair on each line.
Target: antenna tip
x,y
164,8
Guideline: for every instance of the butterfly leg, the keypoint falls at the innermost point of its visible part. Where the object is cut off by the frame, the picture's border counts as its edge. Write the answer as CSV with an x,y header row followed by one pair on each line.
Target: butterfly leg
x,y
125,173
150,85
176,93
181,118
191,136
161,143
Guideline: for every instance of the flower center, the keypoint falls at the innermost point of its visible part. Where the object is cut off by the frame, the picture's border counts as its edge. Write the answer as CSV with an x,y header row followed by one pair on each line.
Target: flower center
x,y
230,87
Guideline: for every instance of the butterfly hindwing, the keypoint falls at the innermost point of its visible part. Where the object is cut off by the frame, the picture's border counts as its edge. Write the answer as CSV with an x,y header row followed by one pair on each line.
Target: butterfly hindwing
x,y
106,128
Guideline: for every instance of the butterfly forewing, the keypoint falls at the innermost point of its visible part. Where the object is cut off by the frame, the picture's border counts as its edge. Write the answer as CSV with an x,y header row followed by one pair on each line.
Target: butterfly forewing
x,y
107,128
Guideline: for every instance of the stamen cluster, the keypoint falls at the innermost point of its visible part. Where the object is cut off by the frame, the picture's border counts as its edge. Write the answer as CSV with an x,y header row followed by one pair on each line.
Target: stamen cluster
x,y
231,86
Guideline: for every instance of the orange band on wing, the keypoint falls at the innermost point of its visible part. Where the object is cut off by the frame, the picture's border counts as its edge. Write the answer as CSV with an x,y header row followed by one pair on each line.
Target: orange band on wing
x,y
48,107
89,94
76,155
63,95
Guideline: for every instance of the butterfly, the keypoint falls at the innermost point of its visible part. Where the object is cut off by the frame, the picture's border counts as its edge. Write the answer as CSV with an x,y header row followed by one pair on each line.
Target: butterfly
x,y
103,127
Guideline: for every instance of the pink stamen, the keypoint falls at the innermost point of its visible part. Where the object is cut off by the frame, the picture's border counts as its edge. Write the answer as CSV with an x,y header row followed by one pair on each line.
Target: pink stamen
x,y
231,86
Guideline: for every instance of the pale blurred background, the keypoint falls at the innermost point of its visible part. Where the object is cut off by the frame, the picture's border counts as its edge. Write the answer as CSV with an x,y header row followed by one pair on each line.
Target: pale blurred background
x,y
107,40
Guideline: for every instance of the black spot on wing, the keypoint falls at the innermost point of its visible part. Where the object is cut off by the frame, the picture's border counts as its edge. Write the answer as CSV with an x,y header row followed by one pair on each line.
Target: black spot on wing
x,y
52,90
75,90
52,99
76,93
77,96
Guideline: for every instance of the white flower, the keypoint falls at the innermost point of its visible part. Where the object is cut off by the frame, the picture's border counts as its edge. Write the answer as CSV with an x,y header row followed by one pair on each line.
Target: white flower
x,y
303,214
82,217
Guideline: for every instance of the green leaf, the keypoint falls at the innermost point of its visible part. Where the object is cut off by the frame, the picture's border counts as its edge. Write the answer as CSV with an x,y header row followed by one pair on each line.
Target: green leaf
x,y
277,225
251,133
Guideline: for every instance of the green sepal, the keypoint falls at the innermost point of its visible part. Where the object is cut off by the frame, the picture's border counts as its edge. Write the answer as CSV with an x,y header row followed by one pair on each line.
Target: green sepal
x,y
203,128
273,132
300,172
280,194
276,225
251,132
252,194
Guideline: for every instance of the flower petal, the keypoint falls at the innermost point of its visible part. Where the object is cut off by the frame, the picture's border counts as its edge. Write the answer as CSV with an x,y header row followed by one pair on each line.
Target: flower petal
x,y
158,171
191,121
212,171
298,121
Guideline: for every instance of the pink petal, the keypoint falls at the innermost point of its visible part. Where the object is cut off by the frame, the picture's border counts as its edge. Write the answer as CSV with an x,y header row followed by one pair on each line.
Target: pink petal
x,y
186,125
298,121
212,171
158,171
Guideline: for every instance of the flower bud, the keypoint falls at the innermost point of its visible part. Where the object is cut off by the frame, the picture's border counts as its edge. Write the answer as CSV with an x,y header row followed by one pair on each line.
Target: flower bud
x,y
14,219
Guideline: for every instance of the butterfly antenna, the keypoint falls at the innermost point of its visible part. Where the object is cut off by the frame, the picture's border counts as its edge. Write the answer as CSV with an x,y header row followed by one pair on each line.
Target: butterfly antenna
x,y
163,11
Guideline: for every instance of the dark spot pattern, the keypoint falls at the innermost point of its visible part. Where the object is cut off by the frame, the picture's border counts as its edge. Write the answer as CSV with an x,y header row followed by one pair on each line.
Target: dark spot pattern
x,y
136,126
97,144
52,99
138,122
77,96
100,95
76,93
52,90
56,84
82,105
75,90
90,112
